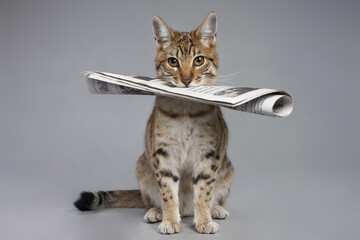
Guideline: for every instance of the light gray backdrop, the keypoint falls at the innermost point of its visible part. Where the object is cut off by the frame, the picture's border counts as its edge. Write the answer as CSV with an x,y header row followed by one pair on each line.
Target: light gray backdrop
x,y
296,177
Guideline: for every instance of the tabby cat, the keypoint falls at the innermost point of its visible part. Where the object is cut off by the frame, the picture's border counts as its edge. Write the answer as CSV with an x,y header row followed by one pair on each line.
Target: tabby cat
x,y
184,170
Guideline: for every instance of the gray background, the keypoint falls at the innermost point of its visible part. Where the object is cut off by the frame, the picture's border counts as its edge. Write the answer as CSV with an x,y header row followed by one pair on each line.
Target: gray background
x,y
296,177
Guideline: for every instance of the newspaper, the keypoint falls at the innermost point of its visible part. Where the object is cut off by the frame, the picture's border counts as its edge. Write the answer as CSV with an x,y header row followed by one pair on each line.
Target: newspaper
x,y
263,101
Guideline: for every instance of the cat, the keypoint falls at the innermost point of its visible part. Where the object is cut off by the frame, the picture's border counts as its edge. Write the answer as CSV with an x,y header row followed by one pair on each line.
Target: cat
x,y
184,170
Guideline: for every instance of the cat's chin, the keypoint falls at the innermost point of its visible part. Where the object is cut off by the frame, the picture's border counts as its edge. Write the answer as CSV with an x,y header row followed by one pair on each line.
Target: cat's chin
x,y
172,83
181,85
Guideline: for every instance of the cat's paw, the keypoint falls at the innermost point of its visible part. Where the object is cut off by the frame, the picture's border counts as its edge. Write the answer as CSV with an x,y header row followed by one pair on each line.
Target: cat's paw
x,y
210,227
218,212
169,228
153,215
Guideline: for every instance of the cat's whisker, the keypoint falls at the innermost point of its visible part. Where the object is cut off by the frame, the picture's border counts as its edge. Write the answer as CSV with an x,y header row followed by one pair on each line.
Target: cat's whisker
x,y
226,79
222,82
231,74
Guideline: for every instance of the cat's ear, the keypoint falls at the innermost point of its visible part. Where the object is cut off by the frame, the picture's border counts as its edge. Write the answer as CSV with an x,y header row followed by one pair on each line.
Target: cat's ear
x,y
162,33
208,28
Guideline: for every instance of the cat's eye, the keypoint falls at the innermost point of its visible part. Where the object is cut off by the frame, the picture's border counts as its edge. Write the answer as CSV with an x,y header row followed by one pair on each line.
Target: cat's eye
x,y
198,61
173,62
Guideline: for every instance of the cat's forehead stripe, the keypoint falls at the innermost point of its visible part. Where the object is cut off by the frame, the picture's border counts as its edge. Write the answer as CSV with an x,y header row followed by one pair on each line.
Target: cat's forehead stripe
x,y
185,47
180,50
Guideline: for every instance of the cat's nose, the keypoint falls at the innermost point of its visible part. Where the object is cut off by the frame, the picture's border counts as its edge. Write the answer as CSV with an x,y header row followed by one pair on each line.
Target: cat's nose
x,y
186,81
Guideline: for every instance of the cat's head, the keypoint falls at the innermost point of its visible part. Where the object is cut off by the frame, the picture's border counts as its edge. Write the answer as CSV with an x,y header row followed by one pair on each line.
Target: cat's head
x,y
186,59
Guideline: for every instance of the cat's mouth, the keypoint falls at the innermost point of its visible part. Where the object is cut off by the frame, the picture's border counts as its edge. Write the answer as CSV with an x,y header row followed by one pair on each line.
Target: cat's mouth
x,y
182,84
179,84
169,84
188,83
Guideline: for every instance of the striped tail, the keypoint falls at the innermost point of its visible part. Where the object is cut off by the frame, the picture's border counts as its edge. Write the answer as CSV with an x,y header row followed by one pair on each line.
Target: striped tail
x,y
89,201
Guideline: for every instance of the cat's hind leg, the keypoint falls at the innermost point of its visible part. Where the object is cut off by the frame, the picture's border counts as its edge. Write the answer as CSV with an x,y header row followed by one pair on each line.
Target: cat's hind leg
x,y
218,212
153,215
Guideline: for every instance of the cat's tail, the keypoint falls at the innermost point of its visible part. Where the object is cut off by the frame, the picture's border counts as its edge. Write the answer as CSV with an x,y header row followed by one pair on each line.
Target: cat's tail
x,y
89,201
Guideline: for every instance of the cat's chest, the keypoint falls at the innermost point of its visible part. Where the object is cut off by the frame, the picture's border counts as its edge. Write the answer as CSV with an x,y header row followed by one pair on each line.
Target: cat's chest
x,y
185,130
189,139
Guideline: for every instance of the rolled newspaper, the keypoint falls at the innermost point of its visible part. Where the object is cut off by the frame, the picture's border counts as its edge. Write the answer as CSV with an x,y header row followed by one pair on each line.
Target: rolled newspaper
x,y
263,101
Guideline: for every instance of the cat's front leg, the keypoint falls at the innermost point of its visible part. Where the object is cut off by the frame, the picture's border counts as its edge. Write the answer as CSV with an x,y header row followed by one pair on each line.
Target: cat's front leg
x,y
168,184
204,183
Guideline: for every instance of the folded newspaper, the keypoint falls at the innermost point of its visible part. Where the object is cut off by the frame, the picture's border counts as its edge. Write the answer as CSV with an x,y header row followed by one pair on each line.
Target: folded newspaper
x,y
268,102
